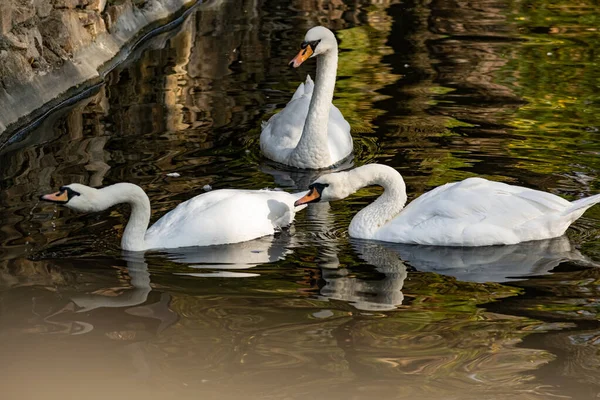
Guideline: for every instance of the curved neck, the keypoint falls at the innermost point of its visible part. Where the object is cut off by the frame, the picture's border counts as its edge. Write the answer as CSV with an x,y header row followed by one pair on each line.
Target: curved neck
x,y
387,206
133,236
314,134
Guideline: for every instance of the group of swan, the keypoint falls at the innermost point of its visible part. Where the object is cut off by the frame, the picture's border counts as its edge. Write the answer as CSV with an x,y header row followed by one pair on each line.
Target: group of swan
x,y
311,133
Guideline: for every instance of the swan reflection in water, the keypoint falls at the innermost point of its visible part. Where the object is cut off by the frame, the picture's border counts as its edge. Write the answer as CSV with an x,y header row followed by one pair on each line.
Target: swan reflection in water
x,y
370,295
299,179
219,261
215,261
475,264
131,299
470,264
491,263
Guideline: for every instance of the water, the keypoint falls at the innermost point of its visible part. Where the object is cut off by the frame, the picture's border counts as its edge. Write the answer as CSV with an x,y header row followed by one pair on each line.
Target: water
x,y
441,91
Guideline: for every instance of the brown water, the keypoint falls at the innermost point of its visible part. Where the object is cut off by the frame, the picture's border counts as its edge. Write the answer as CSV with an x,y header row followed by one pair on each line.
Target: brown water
x,y
439,90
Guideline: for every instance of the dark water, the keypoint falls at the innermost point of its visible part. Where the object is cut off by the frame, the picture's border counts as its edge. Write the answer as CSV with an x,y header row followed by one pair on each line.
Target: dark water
x,y
439,90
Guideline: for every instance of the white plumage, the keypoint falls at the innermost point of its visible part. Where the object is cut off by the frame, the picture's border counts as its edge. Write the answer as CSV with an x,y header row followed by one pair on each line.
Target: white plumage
x,y
478,212
217,217
281,133
223,216
473,212
310,132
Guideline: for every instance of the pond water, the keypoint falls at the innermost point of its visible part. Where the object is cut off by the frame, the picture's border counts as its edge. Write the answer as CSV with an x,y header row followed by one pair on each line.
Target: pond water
x,y
442,91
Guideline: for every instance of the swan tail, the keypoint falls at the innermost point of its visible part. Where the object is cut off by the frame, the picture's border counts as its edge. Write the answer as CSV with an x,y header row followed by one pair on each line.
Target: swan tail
x,y
579,206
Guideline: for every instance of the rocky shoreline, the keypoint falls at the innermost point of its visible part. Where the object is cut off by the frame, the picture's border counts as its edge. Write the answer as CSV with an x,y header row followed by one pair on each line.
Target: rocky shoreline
x,y
49,49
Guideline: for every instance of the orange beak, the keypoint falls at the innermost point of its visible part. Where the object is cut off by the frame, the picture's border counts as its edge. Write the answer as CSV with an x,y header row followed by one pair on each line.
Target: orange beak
x,y
311,196
302,56
58,197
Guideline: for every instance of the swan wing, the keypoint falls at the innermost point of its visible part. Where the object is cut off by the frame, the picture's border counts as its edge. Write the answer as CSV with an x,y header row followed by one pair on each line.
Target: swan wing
x,y
477,212
223,216
281,133
339,138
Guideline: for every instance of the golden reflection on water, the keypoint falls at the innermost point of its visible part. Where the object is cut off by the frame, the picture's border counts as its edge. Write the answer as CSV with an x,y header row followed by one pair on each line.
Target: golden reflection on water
x,y
439,90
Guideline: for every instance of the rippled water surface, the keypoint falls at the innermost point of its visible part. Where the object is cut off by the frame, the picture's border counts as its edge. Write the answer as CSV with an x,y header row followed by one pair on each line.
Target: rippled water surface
x,y
441,91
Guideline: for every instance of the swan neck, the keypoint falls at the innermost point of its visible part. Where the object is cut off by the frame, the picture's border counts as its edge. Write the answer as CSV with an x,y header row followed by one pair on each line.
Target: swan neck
x,y
386,207
313,141
135,230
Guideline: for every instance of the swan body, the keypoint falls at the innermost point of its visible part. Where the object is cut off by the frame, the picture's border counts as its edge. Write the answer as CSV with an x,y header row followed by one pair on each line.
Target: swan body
x,y
473,212
310,132
217,217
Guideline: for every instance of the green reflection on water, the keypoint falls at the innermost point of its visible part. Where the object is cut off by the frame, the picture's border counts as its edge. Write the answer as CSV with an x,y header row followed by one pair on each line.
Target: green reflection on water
x,y
557,72
362,51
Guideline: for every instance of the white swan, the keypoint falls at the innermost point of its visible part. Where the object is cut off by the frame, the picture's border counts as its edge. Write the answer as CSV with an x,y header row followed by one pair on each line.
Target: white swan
x,y
217,217
310,132
473,212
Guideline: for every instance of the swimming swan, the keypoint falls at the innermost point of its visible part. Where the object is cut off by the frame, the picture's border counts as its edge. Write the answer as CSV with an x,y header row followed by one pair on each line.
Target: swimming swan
x,y
473,212
310,132
217,217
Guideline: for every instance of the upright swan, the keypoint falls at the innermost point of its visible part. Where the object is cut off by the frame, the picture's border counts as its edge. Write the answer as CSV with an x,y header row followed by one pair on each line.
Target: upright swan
x,y
473,212
217,217
310,132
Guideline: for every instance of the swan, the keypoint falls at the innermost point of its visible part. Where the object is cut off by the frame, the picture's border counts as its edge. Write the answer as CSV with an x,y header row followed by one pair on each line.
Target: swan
x,y
473,212
310,132
218,217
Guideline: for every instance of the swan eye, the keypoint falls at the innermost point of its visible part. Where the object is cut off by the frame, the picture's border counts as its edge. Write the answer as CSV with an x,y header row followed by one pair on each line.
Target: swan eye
x,y
313,44
318,187
70,192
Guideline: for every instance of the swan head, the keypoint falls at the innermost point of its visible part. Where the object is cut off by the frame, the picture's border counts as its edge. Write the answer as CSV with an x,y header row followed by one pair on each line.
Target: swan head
x,y
77,197
329,187
318,40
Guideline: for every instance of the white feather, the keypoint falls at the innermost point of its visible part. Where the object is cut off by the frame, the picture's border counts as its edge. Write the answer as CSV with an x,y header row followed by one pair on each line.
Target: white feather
x,y
327,138
473,212
217,217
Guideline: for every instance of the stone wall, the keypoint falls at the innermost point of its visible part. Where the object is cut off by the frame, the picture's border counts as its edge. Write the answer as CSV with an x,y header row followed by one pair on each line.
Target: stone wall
x,y
48,47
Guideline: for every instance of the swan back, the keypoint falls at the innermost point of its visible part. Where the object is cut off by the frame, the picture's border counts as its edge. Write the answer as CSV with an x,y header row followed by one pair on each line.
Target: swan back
x,y
478,212
221,217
